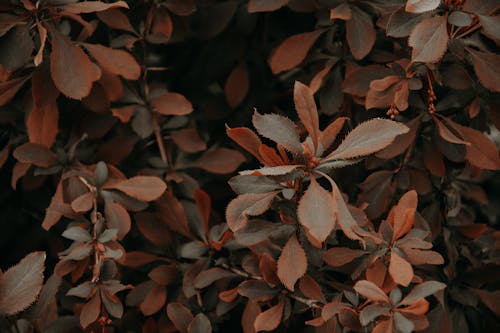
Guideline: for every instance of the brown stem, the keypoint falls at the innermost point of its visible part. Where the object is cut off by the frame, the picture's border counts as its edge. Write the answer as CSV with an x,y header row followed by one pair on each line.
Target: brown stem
x,y
159,139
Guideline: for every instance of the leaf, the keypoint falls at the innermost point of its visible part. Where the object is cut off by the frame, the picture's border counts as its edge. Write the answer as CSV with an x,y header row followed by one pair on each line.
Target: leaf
x,y
8,89
402,215
209,276
46,298
72,71
237,84
330,133
180,316
154,300
200,324
292,51
429,40
35,154
342,12
90,311
257,6
360,33
372,311
163,274
292,263
246,138
21,284
117,217
83,203
421,6
117,62
92,7
421,291
77,234
447,134
221,160
305,105
339,256
172,104
116,19
490,26
370,291
400,270
144,188
403,324
279,129
317,211
245,205
482,152
269,319
401,23
487,68
367,138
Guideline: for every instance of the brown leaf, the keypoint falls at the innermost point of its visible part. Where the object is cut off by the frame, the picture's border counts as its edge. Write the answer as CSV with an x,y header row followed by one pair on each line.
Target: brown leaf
x,y
246,138
305,105
245,205
72,71
339,256
90,311
360,33
311,289
117,217
292,51
35,154
421,291
144,188
330,133
21,284
42,124
154,300
237,84
172,104
342,12
117,62
370,291
8,89
92,6
487,68
279,129
429,40
200,324
256,6
292,263
209,276
116,19
402,216
367,138
317,211
163,274
252,310
401,23
180,316
83,203
269,319
481,152
421,6
400,270
220,161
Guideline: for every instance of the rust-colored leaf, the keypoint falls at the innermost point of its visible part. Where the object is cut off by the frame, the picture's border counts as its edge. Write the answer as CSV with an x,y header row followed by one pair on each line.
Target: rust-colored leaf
x,y
237,84
172,104
400,270
292,264
305,105
144,188
114,61
269,319
429,40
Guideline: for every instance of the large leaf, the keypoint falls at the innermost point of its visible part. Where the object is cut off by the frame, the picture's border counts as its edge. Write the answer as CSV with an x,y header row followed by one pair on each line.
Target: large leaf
x,y
429,40
487,68
144,188
117,62
360,33
21,284
72,71
279,129
303,98
317,211
269,319
292,264
367,138
370,291
421,291
400,270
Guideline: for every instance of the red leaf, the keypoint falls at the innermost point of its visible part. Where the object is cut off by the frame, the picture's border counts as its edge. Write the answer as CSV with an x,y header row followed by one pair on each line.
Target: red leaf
x,y
292,51
292,263
329,134
370,291
172,104
279,129
256,6
21,284
400,270
360,33
339,256
305,105
92,7
402,216
72,71
117,62
317,211
203,202
245,205
144,188
367,138
221,160
180,316
421,6
252,310
429,40
35,154
246,138
269,319
236,87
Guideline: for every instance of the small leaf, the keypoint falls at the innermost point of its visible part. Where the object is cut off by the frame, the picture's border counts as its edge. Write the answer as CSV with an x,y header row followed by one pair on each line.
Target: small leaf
x,y
292,264
370,291
117,62
269,319
21,284
236,87
339,256
317,211
400,270
367,138
220,161
421,6
246,205
144,188
246,138
172,104
292,51
279,129
35,154
429,40
72,71
209,276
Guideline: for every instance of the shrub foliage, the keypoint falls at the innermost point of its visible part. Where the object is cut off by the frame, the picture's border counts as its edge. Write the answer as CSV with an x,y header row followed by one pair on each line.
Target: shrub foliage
x,y
260,165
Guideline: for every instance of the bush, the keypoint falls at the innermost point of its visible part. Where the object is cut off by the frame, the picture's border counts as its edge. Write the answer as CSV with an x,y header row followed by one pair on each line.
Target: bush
x,y
365,199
